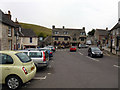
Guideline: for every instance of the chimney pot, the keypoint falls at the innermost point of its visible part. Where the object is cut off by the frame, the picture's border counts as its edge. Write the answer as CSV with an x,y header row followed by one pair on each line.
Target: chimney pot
x,y
9,13
106,28
63,27
53,27
83,28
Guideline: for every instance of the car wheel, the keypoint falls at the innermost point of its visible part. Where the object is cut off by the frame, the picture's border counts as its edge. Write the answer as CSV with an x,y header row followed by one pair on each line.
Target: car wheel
x,y
91,55
13,82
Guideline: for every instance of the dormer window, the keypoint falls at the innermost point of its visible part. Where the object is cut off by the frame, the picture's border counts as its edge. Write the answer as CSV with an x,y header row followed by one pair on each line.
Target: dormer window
x,y
65,32
9,31
56,32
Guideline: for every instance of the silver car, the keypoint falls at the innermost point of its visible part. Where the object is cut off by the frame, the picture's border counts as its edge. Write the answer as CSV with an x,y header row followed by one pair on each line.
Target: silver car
x,y
40,58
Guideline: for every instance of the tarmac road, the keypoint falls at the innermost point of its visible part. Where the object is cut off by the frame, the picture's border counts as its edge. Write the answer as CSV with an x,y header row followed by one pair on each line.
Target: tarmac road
x,y
77,70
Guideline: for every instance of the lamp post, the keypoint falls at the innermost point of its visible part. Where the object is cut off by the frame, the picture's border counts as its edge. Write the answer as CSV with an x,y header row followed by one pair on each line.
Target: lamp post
x,y
111,43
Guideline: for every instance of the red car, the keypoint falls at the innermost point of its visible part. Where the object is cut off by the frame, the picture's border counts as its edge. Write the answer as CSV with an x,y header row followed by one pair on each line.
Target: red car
x,y
72,48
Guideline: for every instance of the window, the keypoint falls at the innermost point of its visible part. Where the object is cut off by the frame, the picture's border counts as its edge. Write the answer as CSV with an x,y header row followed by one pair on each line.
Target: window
x,y
23,57
56,38
74,39
117,31
56,32
82,39
35,54
9,31
30,39
65,32
65,38
5,59
82,33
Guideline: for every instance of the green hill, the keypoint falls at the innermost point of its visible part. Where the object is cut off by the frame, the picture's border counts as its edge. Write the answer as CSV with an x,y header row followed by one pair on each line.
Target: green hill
x,y
39,30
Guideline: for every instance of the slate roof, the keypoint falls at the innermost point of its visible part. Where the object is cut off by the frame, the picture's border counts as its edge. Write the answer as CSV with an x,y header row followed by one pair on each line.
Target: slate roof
x,y
4,19
27,33
116,26
102,31
69,29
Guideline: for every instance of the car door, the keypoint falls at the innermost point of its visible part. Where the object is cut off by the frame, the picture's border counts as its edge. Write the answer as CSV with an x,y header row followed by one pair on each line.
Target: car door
x,y
6,65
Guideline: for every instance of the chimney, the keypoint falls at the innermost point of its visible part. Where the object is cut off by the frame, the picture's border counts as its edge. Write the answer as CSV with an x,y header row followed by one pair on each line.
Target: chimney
x,y
63,27
9,15
53,27
106,28
16,21
83,28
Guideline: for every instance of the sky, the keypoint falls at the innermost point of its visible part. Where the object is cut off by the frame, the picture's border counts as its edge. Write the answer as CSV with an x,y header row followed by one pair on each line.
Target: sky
x,y
91,14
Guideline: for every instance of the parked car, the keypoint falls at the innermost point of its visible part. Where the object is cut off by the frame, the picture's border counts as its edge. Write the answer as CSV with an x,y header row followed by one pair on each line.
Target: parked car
x,y
72,48
48,50
40,58
95,52
83,46
51,48
16,68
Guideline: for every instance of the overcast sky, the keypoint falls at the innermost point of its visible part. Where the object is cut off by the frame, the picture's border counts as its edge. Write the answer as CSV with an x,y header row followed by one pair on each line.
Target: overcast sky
x,y
69,13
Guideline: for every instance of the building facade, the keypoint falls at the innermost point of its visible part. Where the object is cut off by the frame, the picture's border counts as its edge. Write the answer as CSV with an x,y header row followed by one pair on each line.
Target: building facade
x,y
114,37
7,28
68,37
101,36
27,39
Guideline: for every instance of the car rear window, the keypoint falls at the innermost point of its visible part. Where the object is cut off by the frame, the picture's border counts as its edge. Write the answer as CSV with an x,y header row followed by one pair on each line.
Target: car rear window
x,y
35,54
23,57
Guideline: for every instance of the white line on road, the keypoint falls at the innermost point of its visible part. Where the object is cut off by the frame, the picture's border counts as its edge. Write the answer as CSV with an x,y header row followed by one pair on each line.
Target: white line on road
x,y
80,53
116,66
40,78
92,59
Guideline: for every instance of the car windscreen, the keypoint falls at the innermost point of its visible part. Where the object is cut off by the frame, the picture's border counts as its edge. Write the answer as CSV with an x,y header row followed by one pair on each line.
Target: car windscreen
x,y
23,57
95,49
35,54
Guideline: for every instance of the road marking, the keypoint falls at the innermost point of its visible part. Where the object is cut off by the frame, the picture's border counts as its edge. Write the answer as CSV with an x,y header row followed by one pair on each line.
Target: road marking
x,y
49,73
116,66
92,59
40,78
80,53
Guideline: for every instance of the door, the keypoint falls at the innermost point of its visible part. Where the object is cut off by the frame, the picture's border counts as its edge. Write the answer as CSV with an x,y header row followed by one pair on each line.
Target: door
x,y
6,66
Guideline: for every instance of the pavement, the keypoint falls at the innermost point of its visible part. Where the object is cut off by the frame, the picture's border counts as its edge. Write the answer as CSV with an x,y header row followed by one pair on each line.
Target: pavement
x,y
107,50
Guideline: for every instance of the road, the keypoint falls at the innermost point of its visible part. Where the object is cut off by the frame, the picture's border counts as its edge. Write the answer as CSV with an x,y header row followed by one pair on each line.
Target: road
x,y
77,70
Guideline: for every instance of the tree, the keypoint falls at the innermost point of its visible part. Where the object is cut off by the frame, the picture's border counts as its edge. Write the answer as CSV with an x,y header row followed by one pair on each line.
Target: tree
x,y
41,35
91,33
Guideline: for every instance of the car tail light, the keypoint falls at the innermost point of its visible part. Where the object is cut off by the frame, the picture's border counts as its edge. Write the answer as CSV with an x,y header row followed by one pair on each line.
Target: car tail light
x,y
50,52
54,48
24,69
44,59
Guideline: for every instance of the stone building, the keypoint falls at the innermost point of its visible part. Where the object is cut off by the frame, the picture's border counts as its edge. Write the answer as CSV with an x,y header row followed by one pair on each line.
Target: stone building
x,y
114,37
101,36
68,36
7,27
27,39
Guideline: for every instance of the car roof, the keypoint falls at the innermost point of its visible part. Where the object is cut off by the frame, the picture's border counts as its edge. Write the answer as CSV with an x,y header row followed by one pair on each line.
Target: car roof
x,y
29,51
9,52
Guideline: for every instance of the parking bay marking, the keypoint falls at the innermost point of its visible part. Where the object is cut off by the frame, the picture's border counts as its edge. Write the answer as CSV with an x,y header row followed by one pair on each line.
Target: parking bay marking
x,y
92,59
40,78
116,66
80,53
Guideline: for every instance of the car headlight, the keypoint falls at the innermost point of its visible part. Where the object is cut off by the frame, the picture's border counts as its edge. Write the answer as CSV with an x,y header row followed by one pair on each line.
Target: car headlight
x,y
93,52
